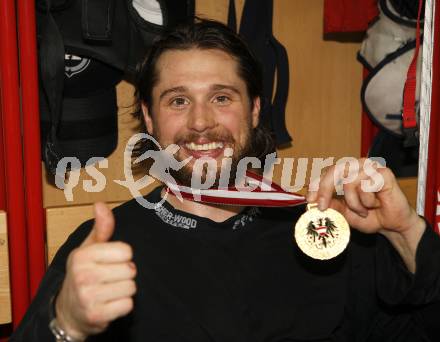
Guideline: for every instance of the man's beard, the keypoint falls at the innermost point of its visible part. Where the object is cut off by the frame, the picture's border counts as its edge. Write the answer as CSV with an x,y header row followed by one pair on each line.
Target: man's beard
x,y
184,176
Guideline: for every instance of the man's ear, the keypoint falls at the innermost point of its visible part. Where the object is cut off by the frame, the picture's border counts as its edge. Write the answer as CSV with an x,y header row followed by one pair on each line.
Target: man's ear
x,y
147,118
256,111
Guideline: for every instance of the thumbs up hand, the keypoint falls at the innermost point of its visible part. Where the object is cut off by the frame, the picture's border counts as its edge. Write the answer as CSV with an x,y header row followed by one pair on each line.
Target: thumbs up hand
x,y
99,282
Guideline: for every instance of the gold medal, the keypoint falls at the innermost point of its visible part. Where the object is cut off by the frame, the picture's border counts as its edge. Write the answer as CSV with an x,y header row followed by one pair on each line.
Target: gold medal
x,y
322,234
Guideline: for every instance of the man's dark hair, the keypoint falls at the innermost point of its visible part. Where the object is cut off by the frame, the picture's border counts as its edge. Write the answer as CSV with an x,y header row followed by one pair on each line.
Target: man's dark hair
x,y
202,34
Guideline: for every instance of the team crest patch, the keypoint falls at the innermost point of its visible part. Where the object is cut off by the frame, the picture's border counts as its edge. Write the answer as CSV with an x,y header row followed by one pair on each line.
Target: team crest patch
x,y
74,64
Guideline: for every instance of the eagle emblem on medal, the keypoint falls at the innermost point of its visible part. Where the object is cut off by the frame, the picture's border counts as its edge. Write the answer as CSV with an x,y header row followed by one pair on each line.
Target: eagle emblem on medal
x,y
320,234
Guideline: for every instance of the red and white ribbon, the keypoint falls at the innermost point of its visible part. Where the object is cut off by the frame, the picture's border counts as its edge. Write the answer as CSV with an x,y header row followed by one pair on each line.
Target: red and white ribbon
x,y
260,192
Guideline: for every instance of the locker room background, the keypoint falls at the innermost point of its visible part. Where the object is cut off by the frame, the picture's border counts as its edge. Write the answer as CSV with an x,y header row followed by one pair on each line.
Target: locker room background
x,y
323,117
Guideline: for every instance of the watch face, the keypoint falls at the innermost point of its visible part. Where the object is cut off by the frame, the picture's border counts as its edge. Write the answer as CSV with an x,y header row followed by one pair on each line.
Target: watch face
x,y
60,334
322,235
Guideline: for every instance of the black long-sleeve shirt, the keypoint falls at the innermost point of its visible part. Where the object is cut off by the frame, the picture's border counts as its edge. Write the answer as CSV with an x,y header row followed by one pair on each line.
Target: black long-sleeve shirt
x,y
246,280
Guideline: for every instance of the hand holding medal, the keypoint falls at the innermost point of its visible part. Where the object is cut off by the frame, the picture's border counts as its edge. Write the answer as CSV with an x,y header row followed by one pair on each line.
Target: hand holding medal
x,y
372,202
370,209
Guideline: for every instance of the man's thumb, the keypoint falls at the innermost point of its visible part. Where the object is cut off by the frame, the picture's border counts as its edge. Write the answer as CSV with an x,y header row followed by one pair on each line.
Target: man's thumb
x,y
104,225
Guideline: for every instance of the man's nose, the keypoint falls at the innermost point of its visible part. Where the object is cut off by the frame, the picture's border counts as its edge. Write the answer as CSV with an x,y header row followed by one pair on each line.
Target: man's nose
x,y
200,117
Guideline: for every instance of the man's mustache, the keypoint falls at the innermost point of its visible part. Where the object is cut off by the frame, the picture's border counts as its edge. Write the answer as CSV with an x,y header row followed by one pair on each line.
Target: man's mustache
x,y
225,137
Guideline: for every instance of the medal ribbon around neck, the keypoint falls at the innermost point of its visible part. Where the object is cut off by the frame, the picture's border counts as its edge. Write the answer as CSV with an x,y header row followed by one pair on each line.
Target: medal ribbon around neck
x,y
319,234
265,194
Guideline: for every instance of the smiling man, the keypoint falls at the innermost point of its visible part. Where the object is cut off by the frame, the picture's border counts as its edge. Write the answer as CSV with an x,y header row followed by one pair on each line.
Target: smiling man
x,y
192,271
203,92
208,112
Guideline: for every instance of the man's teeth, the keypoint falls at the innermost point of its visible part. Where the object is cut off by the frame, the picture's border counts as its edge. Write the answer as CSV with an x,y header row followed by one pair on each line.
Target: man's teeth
x,y
204,147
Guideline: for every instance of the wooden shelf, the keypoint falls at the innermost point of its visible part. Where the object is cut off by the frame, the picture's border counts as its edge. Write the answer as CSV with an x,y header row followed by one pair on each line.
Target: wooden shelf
x,y
61,222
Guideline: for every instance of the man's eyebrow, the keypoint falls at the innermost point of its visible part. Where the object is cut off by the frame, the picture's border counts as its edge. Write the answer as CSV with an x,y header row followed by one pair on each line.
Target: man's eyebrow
x,y
214,87
172,90
225,86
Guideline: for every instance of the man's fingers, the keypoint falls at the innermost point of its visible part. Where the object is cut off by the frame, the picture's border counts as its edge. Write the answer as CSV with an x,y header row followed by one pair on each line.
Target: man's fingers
x,y
114,291
369,200
115,272
112,310
346,181
106,253
325,192
101,315
104,225
104,222
111,252
353,201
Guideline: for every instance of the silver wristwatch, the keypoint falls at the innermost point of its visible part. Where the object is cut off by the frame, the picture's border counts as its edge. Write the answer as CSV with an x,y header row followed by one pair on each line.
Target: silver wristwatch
x,y
60,334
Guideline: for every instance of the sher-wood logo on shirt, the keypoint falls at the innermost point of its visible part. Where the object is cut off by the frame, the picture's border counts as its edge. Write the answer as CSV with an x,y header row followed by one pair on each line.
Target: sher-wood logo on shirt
x,y
175,220
181,221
